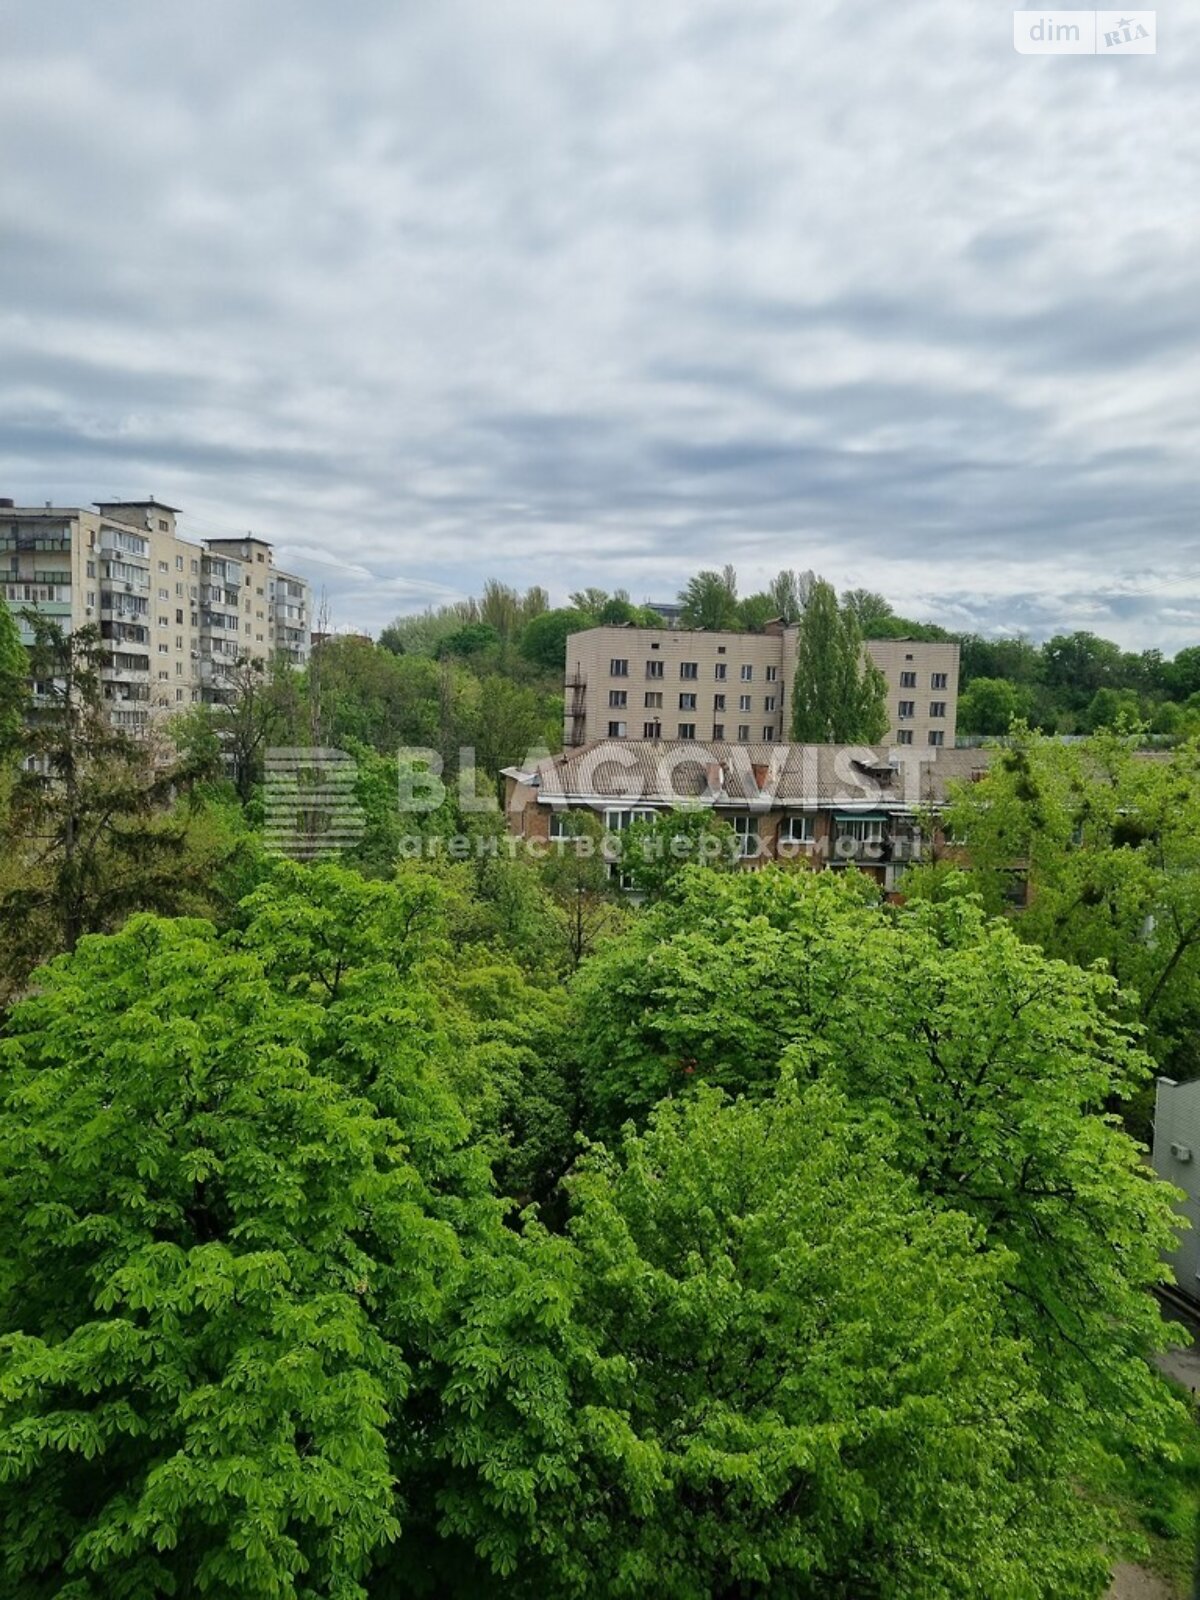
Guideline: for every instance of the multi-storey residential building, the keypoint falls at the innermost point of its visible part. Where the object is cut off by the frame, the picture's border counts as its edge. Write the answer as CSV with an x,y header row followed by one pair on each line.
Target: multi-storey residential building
x,y
276,607
676,683
831,806
178,614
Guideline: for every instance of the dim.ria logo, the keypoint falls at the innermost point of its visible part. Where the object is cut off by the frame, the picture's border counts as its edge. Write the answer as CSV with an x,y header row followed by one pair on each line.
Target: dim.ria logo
x,y
1074,33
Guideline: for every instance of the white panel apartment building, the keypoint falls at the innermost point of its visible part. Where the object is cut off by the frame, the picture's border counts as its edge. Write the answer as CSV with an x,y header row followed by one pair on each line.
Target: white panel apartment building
x,y
177,614
676,683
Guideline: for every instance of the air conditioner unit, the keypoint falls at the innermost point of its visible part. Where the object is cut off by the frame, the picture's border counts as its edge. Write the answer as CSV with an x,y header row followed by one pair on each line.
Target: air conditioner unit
x,y
1181,1152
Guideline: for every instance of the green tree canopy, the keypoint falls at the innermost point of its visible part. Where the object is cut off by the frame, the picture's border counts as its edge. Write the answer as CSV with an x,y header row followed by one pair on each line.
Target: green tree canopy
x,y
14,685
839,695
871,611
994,1064
653,855
767,1367
710,601
544,640
1109,841
213,1309
992,705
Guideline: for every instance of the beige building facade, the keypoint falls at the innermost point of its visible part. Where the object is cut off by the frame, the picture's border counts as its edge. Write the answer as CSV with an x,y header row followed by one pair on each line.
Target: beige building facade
x,y
647,683
176,614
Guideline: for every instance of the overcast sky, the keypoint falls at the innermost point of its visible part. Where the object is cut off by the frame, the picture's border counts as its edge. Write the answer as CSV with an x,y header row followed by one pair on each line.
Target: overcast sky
x,y
601,291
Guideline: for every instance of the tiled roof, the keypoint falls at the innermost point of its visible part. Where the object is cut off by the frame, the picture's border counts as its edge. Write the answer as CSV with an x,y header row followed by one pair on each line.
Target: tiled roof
x,y
661,771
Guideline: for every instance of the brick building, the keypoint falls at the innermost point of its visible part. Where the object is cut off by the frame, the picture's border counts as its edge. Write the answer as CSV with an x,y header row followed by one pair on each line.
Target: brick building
x,y
824,805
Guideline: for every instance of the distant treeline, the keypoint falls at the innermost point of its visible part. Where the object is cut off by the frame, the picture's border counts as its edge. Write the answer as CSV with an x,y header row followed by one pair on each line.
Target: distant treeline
x,y
1073,683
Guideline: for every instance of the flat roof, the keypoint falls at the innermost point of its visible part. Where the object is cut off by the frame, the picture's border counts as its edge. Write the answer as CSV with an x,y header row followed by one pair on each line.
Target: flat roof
x,y
141,505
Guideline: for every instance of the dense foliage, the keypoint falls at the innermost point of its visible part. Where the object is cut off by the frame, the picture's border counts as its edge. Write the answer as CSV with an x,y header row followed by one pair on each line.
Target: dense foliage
x,y
1104,841
859,1305
441,1221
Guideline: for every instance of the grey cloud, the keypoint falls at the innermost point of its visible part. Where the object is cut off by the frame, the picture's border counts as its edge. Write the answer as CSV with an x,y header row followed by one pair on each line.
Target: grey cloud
x,y
600,293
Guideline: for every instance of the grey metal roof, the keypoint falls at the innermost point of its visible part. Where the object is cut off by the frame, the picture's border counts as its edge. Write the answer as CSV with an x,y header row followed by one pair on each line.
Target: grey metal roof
x,y
761,775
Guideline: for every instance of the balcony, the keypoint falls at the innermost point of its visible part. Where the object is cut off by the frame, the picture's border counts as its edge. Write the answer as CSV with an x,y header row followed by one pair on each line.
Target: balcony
x,y
43,542
126,673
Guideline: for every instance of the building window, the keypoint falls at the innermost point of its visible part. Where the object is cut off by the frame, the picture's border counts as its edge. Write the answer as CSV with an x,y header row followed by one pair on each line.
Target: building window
x,y
654,645
178,563
772,674
618,667
618,699
651,730
164,566
687,730
163,525
769,702
91,569
616,730
863,830
908,680
743,733
719,671
654,669
768,733
908,708
743,702
746,829
654,700
687,702
618,821
937,708
689,669
939,680
178,696
718,702
747,672
718,730
904,736
796,830
164,649
936,736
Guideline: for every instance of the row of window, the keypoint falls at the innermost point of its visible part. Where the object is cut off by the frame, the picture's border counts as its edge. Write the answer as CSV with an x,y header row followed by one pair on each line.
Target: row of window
x,y
618,667
687,730
937,680
908,708
618,700
799,829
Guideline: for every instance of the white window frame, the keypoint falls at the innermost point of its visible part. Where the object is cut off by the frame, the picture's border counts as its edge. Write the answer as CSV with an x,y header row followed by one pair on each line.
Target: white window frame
x,y
799,828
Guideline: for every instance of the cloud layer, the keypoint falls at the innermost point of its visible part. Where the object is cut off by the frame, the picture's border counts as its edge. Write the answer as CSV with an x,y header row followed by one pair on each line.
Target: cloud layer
x,y
601,292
